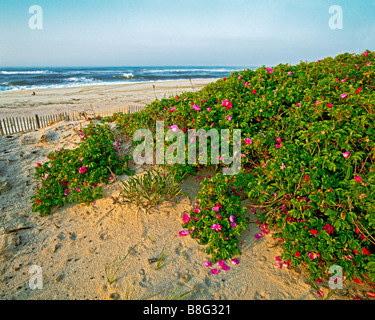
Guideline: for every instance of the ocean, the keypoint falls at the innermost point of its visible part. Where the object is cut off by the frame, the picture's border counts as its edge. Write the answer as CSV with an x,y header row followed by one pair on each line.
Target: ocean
x,y
37,78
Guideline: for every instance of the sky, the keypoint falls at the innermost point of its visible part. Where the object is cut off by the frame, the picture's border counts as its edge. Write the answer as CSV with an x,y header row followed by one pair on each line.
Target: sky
x,y
181,33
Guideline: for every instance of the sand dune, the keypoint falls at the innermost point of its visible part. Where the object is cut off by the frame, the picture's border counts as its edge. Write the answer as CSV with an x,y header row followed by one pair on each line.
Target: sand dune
x,y
73,245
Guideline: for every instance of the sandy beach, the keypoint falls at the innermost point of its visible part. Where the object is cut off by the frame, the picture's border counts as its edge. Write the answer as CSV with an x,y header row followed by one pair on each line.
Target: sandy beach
x,y
100,97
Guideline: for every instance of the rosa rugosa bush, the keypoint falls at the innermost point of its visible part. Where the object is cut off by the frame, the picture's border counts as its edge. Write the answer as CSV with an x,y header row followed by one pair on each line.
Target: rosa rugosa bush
x,y
308,143
218,218
73,175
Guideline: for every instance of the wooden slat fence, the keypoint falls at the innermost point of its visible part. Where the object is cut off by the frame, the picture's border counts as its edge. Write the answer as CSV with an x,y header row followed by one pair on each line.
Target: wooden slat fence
x,y
11,125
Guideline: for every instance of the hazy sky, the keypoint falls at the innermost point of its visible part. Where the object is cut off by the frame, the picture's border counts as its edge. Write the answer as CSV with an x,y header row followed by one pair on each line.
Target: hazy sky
x,y
177,33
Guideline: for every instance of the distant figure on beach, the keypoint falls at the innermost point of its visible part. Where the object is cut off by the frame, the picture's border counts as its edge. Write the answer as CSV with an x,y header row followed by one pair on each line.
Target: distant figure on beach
x,y
33,93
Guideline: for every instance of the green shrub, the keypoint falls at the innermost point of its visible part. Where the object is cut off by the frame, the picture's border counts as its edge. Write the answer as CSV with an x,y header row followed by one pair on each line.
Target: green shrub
x,y
218,218
73,175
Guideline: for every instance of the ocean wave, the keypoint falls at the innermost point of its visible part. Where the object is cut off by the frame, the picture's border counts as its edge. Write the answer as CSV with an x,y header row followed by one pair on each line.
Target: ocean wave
x,y
73,84
17,83
27,72
43,78
80,84
80,79
128,75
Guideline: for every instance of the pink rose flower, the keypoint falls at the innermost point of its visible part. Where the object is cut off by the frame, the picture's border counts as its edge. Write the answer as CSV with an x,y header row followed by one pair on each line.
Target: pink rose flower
x,y
82,170
185,218
235,261
184,233
346,154
328,228
214,271
248,141
227,104
225,267
174,128
216,227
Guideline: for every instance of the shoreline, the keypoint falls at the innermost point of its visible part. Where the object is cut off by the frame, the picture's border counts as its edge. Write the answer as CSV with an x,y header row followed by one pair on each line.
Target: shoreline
x,y
100,97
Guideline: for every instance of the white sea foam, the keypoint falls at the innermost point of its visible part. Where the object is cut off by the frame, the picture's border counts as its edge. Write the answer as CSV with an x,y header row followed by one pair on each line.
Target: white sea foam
x,y
81,79
27,72
128,75
80,84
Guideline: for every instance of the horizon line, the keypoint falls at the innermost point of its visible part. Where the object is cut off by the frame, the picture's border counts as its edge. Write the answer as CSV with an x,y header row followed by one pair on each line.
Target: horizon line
x,y
122,66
